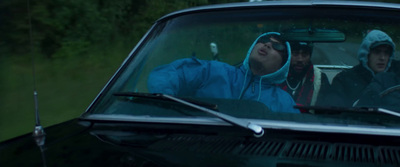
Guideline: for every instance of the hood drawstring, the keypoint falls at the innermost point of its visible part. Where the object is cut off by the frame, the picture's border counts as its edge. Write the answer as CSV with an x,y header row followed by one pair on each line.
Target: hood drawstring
x,y
259,91
244,84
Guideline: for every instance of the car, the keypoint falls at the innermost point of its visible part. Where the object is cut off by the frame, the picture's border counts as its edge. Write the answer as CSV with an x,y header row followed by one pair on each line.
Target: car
x,y
140,120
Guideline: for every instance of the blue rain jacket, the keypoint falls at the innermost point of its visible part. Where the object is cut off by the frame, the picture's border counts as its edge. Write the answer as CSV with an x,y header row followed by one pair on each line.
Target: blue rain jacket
x,y
214,79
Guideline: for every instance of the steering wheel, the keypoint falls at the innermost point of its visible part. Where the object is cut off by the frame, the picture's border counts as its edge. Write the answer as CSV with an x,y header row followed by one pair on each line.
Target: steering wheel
x,y
389,90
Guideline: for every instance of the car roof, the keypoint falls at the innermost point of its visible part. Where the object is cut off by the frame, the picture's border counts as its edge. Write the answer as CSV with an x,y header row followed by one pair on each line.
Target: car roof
x,y
287,3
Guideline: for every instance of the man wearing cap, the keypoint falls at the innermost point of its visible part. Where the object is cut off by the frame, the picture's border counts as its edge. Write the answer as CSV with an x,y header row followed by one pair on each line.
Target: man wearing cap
x,y
266,65
304,82
375,54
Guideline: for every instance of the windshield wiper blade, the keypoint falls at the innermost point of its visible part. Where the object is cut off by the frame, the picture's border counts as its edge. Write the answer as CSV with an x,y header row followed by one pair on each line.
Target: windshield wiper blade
x,y
336,110
390,112
258,130
159,96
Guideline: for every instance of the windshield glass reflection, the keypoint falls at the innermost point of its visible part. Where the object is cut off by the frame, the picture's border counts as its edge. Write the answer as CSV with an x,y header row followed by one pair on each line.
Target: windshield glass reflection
x,y
247,58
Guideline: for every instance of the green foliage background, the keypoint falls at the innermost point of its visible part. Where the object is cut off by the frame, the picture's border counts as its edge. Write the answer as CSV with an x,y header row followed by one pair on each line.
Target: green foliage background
x,y
76,47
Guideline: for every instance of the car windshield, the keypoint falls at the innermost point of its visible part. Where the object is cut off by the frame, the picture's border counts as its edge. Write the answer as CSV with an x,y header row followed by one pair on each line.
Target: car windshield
x,y
260,62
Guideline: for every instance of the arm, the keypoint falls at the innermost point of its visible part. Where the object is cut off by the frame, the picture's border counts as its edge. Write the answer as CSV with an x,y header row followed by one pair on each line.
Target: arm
x,y
181,77
371,96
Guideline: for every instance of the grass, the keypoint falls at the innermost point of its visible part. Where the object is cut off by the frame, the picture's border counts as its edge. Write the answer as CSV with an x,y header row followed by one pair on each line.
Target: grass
x,y
65,86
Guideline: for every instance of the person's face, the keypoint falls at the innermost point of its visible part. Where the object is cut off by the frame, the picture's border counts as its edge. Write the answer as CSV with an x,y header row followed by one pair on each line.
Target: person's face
x,y
264,58
378,58
300,60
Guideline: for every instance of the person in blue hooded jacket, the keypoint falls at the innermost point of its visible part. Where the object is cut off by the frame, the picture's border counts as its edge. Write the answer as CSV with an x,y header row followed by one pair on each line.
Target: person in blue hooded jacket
x,y
266,65
375,54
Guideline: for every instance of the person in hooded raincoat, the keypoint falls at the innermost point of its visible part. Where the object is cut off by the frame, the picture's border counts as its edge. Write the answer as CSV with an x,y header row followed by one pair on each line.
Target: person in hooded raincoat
x,y
375,54
266,65
306,83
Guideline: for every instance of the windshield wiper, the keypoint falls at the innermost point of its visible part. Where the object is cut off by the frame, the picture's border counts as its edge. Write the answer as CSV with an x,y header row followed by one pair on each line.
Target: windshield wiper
x,y
160,97
201,106
335,110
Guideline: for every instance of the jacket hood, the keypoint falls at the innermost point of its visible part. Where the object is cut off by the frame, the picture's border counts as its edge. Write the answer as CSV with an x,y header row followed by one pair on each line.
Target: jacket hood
x,y
278,76
374,38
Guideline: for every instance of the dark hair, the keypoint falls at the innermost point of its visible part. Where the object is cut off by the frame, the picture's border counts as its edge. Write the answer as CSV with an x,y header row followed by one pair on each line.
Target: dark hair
x,y
299,45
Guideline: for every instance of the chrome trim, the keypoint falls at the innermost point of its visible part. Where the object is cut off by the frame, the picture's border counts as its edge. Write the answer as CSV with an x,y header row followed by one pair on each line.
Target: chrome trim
x,y
267,124
263,4
331,128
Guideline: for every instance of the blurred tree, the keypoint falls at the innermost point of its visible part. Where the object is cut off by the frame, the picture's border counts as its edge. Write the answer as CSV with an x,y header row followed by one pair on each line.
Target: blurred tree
x,y
14,26
64,28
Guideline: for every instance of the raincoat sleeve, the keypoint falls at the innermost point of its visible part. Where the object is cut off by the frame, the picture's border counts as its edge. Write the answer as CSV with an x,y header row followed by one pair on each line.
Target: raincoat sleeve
x,y
382,92
290,106
181,77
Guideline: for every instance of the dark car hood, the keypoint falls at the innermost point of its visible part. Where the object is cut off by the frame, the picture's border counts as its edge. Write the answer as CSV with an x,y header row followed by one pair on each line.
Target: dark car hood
x,y
80,143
